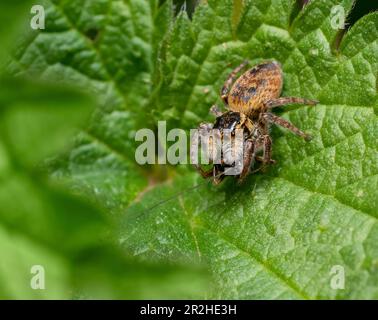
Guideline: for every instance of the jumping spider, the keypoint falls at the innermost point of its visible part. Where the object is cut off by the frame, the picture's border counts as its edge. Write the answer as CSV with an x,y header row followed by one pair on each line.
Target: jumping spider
x,y
249,101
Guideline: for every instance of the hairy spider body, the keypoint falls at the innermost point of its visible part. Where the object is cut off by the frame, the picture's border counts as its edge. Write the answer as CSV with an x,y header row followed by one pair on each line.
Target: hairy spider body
x,y
249,100
254,88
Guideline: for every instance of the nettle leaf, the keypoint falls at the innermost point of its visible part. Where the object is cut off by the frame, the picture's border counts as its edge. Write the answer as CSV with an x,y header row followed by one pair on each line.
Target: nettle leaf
x,y
53,231
48,233
26,119
109,49
13,20
281,233
56,245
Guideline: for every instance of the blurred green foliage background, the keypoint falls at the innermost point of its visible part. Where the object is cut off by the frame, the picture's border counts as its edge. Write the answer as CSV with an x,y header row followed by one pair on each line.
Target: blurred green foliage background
x,y
43,222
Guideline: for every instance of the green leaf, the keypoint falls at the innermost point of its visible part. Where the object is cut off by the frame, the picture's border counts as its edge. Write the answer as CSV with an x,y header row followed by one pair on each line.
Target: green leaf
x,y
44,226
280,234
26,119
92,48
69,239
14,19
48,233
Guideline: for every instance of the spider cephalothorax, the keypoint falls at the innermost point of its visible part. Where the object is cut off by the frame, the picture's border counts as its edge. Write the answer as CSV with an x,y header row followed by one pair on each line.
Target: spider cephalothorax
x,y
250,99
230,121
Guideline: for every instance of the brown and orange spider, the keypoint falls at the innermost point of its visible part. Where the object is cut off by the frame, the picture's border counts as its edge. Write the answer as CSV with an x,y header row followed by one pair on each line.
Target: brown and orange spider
x,y
249,101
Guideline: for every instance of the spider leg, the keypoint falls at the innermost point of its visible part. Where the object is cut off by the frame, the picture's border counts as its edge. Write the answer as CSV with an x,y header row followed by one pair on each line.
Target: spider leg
x,y
267,152
290,100
285,124
230,80
267,155
215,111
248,157
205,126
261,159
218,175
203,173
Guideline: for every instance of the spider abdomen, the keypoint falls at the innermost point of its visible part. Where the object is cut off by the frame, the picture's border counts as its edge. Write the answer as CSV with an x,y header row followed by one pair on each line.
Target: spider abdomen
x,y
255,87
